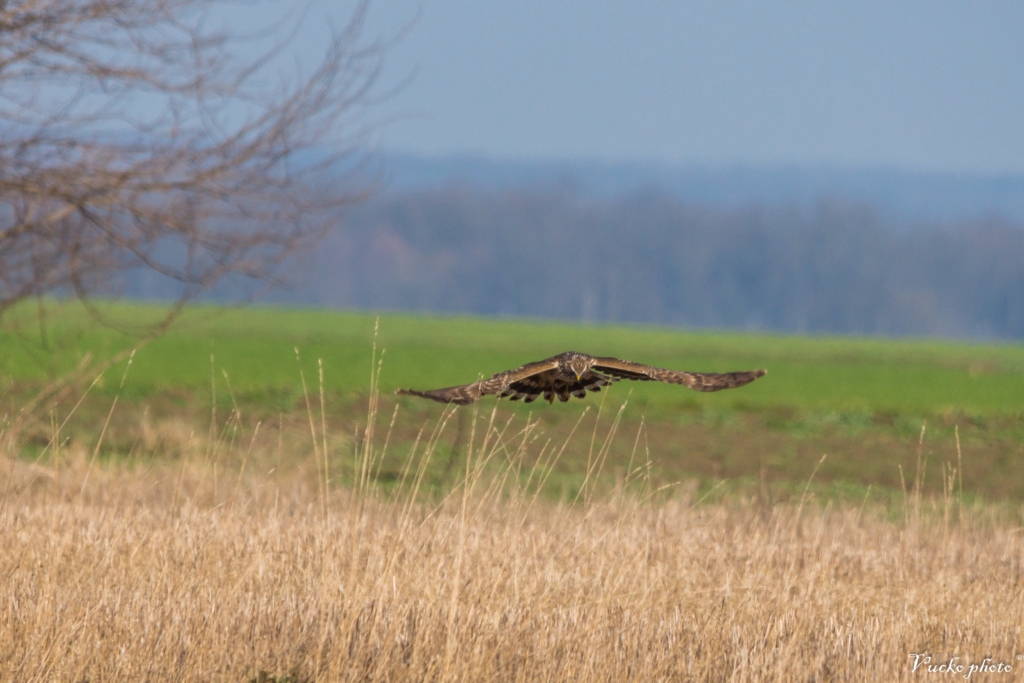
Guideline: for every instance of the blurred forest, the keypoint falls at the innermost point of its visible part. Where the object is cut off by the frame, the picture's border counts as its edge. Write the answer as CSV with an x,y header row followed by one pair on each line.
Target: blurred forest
x,y
558,250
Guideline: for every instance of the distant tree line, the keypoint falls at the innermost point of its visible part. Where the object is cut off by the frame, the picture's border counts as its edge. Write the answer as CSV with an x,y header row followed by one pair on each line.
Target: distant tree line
x,y
648,258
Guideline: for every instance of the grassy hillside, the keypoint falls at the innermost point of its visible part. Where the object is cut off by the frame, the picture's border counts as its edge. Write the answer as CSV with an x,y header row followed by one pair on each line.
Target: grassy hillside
x,y
862,401
256,347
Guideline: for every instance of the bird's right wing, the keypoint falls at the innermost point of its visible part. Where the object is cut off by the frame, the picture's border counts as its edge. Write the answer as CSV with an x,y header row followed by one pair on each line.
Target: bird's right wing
x,y
463,394
468,393
498,383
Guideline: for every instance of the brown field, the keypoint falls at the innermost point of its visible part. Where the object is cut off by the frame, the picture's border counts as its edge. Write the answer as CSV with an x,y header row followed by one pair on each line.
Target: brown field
x,y
234,562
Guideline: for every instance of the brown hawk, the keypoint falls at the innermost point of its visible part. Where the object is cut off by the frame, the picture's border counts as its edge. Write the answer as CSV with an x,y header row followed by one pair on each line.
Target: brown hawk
x,y
574,374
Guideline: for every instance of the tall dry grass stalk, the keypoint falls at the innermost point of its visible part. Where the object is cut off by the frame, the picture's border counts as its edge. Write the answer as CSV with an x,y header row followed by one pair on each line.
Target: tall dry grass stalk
x,y
225,562
157,573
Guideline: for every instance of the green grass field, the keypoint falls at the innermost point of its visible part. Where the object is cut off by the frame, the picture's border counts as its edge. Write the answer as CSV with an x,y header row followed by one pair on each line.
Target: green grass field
x,y
861,401
256,347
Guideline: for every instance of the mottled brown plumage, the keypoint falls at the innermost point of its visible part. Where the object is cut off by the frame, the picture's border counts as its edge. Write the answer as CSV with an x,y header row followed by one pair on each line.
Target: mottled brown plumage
x,y
574,374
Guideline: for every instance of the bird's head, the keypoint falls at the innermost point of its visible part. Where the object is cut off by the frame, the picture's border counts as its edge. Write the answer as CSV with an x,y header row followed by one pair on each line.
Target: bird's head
x,y
578,365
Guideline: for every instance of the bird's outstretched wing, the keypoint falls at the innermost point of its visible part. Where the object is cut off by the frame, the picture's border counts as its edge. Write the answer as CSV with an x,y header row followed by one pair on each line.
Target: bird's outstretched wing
x,y
468,393
698,381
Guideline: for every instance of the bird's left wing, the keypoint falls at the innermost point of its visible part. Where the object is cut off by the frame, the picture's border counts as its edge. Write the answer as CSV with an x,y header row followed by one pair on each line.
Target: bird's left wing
x,y
698,381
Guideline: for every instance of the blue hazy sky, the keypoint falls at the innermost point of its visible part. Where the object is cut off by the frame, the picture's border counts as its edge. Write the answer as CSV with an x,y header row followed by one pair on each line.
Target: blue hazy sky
x,y
917,84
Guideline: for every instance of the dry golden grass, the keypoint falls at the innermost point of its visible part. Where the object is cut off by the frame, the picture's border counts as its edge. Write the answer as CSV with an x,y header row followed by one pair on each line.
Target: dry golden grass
x,y
213,566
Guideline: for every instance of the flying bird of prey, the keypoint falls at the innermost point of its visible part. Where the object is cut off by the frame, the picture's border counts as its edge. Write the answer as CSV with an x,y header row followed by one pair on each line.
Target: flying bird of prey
x,y
574,374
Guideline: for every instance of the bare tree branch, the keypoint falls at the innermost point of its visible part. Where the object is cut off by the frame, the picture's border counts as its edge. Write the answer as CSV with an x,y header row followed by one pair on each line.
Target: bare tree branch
x,y
132,136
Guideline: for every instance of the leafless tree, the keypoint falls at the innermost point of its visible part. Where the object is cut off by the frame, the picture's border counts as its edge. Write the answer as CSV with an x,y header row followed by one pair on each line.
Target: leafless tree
x,y
133,136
